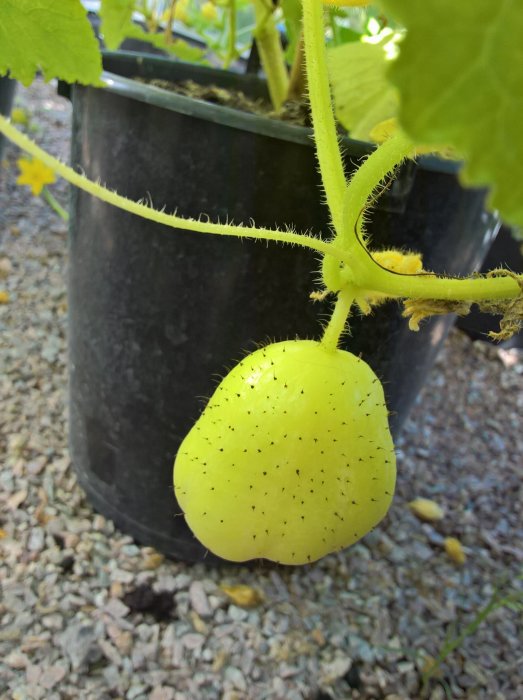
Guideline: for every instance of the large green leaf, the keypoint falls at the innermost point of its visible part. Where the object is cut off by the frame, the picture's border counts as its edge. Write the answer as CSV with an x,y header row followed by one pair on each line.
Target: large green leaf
x,y
53,36
116,16
362,95
460,77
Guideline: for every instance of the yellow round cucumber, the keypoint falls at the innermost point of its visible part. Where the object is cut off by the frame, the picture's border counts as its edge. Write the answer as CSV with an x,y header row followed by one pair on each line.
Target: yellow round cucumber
x,y
292,457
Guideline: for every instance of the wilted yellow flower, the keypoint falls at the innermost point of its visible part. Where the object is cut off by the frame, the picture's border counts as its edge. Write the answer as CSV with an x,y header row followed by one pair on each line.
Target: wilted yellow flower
x,y
4,297
19,116
242,595
397,261
454,549
34,174
426,509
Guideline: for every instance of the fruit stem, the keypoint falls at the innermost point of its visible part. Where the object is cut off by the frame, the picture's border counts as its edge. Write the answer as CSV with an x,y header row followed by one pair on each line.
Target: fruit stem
x,y
336,326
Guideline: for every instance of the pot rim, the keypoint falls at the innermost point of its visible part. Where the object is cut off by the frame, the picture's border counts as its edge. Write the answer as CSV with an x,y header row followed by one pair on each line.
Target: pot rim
x,y
228,116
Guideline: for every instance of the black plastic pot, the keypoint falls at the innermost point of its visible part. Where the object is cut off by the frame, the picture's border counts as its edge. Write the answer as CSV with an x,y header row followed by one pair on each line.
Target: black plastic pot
x,y
157,315
7,93
506,252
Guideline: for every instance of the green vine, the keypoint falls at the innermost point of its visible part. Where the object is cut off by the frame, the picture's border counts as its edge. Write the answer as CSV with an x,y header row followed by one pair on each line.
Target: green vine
x,y
271,53
349,269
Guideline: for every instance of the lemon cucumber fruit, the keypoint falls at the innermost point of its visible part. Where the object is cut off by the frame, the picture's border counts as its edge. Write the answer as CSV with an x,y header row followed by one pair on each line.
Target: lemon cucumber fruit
x,y
292,457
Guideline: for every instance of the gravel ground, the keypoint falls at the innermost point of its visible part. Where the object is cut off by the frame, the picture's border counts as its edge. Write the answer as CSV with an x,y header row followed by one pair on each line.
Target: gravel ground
x,y
86,613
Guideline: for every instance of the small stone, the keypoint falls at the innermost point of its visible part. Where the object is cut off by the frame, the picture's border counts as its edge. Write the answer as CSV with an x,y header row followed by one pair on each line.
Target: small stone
x,y
197,622
16,660
16,500
130,550
318,636
193,640
153,561
80,643
51,676
116,608
110,652
135,691
53,622
335,669
116,589
181,582
237,614
122,639
199,600
220,659
6,267
236,677
99,522
122,576
162,693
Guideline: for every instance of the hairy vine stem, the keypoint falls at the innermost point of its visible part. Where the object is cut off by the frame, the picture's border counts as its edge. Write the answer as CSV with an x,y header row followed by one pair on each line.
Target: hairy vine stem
x,y
325,136
390,283
161,217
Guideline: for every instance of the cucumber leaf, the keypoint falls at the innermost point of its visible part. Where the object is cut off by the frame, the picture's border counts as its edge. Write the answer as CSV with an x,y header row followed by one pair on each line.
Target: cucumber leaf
x,y
54,37
116,16
363,97
460,78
